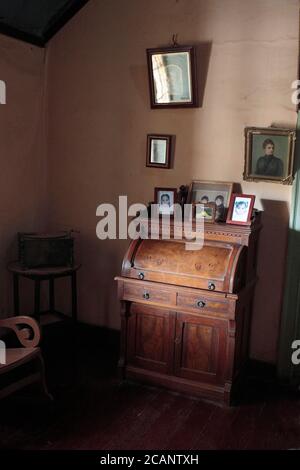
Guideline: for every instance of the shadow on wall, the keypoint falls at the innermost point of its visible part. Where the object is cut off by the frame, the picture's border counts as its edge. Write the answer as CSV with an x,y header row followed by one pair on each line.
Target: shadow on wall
x,y
203,59
271,273
97,291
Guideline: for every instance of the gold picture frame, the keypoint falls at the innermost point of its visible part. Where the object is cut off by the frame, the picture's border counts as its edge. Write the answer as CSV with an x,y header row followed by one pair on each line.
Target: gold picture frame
x,y
269,154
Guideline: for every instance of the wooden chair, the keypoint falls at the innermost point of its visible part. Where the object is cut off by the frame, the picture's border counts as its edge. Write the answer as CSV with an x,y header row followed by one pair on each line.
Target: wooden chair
x,y
24,366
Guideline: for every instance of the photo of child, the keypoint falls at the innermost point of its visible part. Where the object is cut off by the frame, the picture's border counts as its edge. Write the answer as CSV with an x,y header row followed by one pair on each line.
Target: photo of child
x,y
241,209
165,201
216,197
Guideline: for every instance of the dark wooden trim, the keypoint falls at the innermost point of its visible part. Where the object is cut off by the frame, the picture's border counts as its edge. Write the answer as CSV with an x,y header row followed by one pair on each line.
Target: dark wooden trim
x,y
57,22
62,19
21,35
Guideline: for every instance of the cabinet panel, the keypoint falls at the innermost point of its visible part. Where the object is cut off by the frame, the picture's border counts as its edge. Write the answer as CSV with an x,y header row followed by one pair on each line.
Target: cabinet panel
x,y
200,348
151,334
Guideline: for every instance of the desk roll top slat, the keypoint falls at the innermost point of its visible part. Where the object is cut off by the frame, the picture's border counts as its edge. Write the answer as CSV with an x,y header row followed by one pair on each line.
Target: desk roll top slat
x,y
186,313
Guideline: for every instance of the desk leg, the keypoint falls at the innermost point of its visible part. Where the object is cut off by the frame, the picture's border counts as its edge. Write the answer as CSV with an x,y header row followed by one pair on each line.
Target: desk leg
x,y
74,296
51,295
16,295
37,291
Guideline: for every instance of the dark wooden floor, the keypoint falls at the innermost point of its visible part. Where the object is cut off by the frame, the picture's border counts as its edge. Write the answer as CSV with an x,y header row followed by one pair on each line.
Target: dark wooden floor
x,y
92,410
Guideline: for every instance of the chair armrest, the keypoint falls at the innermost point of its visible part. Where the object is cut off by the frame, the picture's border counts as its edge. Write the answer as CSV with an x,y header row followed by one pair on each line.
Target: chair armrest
x,y
26,329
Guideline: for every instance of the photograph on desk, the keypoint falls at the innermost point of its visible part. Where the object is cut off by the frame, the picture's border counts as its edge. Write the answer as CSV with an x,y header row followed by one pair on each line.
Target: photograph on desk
x,y
165,198
207,212
240,209
208,192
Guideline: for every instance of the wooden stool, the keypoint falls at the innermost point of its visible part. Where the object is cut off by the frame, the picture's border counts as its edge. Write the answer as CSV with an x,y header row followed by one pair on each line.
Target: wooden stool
x,y
45,274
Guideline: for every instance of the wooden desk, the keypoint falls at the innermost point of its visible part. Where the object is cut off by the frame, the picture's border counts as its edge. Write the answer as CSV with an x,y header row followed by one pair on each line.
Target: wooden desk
x,y
45,274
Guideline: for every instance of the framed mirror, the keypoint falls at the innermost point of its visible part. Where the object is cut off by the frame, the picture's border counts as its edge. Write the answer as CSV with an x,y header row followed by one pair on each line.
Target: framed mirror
x,y
173,77
159,150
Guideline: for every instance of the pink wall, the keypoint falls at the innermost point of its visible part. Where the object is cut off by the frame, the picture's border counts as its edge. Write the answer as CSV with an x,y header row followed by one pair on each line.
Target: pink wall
x,y
99,115
22,153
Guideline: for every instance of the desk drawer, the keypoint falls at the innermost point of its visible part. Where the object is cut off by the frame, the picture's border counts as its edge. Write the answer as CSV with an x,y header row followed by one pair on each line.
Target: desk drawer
x,y
202,303
150,294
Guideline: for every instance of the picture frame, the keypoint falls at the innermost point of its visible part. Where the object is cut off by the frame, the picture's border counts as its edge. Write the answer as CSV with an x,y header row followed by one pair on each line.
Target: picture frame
x,y
173,77
240,209
159,151
207,212
218,192
269,154
165,198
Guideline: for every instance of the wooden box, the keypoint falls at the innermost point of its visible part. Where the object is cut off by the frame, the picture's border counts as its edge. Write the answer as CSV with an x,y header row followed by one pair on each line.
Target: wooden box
x,y
45,250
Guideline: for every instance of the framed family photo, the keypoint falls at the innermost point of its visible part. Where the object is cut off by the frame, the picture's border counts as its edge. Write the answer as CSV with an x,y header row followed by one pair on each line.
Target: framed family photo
x,y
173,77
165,198
159,150
269,154
240,209
207,192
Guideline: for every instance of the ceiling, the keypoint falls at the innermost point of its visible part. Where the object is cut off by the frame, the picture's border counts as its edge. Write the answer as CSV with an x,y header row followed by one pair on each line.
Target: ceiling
x,y
36,21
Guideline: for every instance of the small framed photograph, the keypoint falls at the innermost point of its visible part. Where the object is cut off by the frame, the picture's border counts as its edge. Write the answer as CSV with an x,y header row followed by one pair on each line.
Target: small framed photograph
x,y
216,192
205,211
165,198
159,150
173,77
240,209
269,154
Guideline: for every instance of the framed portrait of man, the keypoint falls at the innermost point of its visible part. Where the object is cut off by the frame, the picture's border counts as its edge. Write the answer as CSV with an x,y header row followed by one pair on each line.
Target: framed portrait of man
x,y
269,154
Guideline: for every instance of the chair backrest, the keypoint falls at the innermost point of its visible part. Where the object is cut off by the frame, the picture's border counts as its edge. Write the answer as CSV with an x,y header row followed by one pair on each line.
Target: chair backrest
x,y
26,329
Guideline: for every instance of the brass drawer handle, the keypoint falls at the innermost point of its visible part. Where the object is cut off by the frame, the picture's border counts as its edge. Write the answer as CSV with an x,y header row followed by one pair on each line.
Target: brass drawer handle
x,y
201,304
141,276
211,286
146,296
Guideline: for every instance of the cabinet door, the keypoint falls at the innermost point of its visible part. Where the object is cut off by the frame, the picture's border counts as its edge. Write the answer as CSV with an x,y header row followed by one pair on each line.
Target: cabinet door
x,y
151,334
200,348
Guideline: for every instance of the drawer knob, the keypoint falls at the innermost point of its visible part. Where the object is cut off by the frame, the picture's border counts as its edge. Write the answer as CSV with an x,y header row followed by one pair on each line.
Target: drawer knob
x,y
211,286
141,276
146,296
201,304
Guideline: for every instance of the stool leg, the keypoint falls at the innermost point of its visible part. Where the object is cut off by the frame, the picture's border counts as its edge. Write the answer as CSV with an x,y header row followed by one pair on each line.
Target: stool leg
x,y
16,295
74,295
37,291
51,295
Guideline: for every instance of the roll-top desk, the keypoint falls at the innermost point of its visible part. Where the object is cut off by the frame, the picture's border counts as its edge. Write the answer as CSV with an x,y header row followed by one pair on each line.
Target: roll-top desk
x,y
186,314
